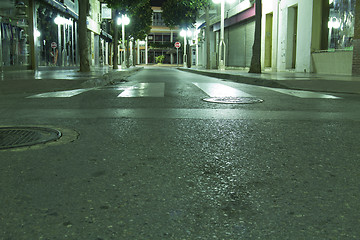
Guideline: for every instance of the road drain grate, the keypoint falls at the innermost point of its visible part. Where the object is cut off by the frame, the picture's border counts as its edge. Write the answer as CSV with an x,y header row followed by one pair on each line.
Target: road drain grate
x,y
234,100
14,137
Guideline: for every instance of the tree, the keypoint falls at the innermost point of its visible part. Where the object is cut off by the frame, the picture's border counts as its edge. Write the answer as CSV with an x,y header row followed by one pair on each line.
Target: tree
x,y
140,13
356,41
183,13
207,36
84,7
255,66
115,39
140,24
179,13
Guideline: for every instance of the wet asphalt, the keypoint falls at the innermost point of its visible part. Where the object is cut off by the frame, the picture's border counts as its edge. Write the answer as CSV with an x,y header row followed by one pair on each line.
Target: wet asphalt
x,y
177,167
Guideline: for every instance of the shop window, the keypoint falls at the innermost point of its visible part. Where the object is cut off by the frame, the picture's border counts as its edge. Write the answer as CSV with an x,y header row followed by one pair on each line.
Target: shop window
x,y
15,35
341,24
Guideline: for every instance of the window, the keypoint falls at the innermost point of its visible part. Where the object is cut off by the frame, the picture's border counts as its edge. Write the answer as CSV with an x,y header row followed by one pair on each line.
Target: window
x,y
341,24
157,19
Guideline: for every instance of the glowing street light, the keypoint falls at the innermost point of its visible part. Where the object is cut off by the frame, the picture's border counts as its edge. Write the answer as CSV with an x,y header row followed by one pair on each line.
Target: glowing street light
x,y
124,20
185,33
62,21
222,46
37,33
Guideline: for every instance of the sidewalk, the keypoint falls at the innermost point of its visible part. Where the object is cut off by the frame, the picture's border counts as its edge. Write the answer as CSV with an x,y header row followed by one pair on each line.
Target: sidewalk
x,y
49,79
288,80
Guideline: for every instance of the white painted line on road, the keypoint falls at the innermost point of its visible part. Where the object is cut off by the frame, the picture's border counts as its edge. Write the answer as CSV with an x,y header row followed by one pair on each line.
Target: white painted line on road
x,y
144,90
61,94
220,90
304,94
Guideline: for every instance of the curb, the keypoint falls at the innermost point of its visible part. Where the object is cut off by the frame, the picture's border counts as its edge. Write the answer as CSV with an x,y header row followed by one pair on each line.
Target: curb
x,y
109,77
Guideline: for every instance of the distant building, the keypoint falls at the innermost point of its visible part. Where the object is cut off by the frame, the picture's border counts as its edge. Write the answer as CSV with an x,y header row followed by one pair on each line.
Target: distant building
x,y
161,40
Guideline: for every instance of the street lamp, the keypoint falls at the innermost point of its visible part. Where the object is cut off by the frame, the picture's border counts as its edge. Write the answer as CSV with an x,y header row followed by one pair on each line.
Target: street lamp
x,y
185,33
222,46
124,20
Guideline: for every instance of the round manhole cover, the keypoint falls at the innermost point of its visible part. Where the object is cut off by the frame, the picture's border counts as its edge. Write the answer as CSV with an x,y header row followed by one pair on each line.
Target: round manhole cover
x,y
14,137
238,100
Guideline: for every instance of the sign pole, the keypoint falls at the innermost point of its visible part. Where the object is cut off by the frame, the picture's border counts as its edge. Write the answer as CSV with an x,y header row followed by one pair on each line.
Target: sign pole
x,y
177,45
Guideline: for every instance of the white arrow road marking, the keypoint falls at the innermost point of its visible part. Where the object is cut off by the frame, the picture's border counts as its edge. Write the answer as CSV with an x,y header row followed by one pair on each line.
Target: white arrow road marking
x,y
221,90
144,90
61,94
304,94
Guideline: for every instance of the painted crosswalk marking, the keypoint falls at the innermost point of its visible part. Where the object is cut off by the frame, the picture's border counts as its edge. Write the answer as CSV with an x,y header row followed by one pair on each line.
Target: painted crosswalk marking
x,y
304,94
144,90
221,90
61,94
158,90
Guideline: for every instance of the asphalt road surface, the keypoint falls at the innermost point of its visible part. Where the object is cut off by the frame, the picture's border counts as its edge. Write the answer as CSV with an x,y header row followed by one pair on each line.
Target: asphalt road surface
x,y
149,159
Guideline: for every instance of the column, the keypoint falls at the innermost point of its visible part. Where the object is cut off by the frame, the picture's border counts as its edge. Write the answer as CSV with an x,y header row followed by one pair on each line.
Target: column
x,y
138,52
146,50
172,40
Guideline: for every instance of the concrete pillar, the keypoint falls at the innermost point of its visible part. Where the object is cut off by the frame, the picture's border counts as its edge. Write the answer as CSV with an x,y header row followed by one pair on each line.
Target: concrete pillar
x,y
146,50
172,40
138,52
77,59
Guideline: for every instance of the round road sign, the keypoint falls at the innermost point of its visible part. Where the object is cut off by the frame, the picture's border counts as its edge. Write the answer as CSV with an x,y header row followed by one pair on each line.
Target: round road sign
x,y
53,45
177,45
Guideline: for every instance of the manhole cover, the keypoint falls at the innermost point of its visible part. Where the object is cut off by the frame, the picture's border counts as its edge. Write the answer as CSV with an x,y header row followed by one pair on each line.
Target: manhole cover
x,y
13,137
239,100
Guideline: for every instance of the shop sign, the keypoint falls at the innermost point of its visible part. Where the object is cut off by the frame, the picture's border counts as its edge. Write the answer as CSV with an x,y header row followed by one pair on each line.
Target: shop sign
x,y
105,11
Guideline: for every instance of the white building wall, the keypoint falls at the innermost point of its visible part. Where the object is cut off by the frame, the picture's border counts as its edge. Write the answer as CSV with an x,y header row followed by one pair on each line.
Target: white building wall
x,y
303,35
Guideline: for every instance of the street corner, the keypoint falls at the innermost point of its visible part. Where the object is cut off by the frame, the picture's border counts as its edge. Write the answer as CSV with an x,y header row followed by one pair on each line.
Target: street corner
x,y
119,76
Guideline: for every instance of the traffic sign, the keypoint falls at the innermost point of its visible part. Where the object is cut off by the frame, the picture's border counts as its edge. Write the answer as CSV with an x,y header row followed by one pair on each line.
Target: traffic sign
x,y
177,45
53,45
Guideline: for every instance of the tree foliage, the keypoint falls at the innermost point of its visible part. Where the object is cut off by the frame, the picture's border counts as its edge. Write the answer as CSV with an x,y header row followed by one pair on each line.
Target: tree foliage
x,y
141,19
182,13
140,14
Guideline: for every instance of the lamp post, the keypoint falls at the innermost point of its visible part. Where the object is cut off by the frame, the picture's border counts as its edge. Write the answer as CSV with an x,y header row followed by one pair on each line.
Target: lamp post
x,y
222,46
185,33
124,20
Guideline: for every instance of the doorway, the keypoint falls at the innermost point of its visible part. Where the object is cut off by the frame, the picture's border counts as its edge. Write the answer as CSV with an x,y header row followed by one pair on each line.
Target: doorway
x,y
268,40
292,37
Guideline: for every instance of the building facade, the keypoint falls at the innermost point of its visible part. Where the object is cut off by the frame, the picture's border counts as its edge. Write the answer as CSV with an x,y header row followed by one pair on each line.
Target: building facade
x,y
44,33
297,35
161,40
16,29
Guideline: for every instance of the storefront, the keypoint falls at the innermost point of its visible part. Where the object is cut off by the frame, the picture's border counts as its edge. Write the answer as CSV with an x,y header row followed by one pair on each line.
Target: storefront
x,y
14,35
57,43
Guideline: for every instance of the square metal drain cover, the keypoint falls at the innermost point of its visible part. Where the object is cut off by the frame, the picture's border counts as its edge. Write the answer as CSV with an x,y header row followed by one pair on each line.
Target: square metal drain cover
x,y
14,137
234,100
